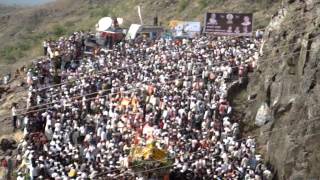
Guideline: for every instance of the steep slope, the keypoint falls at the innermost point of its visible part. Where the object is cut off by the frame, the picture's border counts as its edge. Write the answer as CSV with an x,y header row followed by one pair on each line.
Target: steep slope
x,y
288,81
23,29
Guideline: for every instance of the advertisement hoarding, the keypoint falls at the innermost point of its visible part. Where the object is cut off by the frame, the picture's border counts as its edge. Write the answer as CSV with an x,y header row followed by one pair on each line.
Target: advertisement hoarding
x,y
229,24
187,29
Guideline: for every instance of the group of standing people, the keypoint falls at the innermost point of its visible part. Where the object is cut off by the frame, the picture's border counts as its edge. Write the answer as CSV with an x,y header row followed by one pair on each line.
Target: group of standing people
x,y
86,112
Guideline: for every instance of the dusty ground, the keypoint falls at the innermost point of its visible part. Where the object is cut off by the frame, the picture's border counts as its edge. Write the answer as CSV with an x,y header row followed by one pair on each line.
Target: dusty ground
x,y
14,93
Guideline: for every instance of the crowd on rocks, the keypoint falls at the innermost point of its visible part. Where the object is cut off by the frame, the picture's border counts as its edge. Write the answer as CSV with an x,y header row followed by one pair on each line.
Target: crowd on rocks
x,y
171,92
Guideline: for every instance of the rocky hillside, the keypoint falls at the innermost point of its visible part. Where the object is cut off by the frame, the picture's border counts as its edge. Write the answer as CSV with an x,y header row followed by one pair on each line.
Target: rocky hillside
x,y
283,108
23,29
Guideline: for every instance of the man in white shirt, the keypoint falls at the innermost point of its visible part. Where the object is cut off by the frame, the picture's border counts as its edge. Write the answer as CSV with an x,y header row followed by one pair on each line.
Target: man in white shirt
x,y
14,116
20,176
34,171
45,48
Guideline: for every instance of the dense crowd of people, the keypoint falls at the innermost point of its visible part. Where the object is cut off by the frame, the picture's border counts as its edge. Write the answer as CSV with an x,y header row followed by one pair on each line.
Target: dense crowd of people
x,y
102,104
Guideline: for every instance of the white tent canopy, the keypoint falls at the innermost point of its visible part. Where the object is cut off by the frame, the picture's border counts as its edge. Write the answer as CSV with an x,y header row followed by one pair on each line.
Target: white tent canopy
x,y
105,23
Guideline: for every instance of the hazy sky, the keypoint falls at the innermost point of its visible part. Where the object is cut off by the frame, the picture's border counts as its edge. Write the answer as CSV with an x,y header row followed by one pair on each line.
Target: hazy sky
x,y
24,2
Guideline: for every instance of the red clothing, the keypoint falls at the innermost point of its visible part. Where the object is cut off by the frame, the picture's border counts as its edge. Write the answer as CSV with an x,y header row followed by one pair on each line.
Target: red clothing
x,y
4,163
241,71
222,109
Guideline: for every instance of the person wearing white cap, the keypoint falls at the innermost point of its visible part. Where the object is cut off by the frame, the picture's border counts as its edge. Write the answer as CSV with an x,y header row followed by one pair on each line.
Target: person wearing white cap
x,y
33,171
20,176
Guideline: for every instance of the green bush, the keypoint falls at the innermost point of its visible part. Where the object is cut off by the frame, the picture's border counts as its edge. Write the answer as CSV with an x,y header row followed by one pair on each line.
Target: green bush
x,y
205,3
183,5
9,54
105,12
69,24
95,12
59,30
100,12
24,45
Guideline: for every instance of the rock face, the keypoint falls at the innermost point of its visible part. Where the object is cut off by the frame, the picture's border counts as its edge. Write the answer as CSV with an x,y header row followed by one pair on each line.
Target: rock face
x,y
288,81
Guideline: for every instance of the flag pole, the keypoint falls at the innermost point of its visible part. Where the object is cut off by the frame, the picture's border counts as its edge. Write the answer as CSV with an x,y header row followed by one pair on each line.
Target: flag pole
x,y
139,13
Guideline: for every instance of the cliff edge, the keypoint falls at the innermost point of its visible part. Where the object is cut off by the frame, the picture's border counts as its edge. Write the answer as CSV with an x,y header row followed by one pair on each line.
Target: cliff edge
x,y
284,93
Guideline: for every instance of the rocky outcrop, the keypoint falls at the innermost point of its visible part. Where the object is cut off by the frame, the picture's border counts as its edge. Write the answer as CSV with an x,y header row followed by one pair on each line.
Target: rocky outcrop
x,y
264,115
8,144
288,82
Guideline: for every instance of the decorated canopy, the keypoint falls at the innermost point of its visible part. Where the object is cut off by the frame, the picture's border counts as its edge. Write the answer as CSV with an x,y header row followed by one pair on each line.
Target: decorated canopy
x,y
145,158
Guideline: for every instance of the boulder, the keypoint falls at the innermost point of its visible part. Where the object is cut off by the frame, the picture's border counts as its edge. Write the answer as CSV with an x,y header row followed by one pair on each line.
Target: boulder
x,y
264,115
8,144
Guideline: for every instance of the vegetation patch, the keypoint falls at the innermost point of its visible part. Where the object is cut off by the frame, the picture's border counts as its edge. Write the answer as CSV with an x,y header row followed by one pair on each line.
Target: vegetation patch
x,y
183,4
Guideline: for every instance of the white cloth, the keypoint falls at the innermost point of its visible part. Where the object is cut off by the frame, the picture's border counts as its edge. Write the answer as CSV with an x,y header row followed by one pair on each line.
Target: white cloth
x,y
14,111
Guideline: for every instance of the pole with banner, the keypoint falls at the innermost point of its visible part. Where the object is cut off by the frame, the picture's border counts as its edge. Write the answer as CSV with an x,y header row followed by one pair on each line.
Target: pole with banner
x,y
139,13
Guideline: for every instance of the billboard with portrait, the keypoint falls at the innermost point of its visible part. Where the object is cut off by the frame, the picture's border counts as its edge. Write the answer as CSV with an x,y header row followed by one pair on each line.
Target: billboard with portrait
x,y
187,29
225,24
